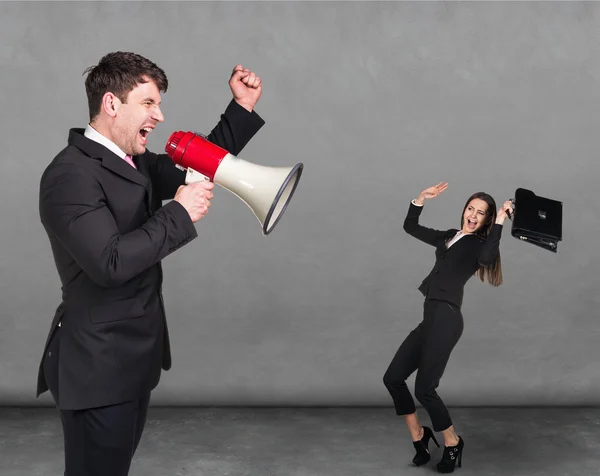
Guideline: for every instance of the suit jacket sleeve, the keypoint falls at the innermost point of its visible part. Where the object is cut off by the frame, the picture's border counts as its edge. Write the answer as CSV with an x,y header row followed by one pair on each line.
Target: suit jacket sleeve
x,y
72,208
491,246
235,129
427,235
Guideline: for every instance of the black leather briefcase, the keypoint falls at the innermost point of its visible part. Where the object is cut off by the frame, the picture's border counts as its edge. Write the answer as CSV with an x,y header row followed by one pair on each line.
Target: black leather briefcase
x,y
537,220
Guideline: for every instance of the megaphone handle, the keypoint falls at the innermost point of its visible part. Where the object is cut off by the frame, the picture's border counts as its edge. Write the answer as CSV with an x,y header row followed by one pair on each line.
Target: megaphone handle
x,y
193,176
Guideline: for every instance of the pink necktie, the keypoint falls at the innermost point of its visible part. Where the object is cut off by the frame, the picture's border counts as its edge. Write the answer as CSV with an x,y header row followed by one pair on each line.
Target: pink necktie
x,y
129,160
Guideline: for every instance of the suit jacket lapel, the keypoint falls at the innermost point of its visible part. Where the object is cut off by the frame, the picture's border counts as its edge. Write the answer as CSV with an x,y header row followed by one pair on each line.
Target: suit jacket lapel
x,y
449,235
122,168
111,161
142,170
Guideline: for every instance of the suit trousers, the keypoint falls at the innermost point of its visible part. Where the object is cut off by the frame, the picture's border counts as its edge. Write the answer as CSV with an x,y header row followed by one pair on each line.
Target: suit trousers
x,y
427,349
97,441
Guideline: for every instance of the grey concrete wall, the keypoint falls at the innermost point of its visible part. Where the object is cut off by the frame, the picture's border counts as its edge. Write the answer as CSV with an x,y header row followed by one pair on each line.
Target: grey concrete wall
x,y
379,100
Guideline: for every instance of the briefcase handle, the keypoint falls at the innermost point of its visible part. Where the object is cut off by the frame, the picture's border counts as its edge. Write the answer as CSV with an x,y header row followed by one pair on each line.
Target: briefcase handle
x,y
508,214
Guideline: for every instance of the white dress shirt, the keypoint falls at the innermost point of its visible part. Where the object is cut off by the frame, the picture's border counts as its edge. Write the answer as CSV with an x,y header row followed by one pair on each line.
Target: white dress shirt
x,y
94,135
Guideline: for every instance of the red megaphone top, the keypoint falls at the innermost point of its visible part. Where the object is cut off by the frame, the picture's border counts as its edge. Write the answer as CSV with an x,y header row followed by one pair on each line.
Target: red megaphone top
x,y
188,149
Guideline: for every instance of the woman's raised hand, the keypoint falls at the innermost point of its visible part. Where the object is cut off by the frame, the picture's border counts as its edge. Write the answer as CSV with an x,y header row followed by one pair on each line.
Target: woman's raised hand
x,y
432,192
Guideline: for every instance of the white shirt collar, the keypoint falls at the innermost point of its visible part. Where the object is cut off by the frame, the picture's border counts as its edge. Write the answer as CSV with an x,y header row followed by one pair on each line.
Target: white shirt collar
x,y
455,238
94,135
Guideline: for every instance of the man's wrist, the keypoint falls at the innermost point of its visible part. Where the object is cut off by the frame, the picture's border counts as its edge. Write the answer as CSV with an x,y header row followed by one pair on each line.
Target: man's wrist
x,y
246,106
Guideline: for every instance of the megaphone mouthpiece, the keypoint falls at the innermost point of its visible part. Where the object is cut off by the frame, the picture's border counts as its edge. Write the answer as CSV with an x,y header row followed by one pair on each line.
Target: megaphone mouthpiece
x,y
189,149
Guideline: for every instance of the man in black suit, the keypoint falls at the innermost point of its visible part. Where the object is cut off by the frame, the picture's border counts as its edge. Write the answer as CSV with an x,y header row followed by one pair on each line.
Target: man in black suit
x,y
100,203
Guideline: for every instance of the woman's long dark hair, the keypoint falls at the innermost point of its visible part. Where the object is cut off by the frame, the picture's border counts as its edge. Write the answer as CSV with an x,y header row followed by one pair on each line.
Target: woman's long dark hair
x,y
493,273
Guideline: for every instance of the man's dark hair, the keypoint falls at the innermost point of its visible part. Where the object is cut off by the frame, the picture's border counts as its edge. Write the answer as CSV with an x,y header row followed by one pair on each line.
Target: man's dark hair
x,y
119,73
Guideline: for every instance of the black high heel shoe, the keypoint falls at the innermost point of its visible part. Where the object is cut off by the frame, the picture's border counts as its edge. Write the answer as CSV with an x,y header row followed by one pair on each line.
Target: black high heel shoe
x,y
452,455
422,447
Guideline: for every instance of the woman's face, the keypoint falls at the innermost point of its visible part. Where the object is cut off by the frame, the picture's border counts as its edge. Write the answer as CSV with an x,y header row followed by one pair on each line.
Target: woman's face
x,y
474,216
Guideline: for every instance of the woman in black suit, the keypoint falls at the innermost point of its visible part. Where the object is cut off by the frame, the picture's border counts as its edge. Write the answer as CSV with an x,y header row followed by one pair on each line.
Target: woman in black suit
x,y
474,249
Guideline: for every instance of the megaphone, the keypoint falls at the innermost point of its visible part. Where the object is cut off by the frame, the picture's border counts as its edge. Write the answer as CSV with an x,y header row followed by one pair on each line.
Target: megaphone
x,y
266,190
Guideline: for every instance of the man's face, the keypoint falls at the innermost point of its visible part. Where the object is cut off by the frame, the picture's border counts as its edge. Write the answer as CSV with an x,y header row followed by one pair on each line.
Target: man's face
x,y
137,117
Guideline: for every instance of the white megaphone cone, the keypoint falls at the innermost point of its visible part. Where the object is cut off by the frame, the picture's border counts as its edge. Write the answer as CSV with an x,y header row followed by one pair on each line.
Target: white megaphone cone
x,y
266,190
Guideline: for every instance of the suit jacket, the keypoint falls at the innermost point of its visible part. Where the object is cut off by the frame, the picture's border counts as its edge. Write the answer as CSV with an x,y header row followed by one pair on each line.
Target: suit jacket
x,y
109,231
454,266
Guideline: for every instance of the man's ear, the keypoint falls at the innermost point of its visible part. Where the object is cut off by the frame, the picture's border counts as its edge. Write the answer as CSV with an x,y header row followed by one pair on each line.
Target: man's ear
x,y
110,104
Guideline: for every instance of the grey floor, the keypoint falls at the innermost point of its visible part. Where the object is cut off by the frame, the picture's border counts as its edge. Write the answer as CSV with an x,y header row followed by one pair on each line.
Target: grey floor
x,y
322,441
